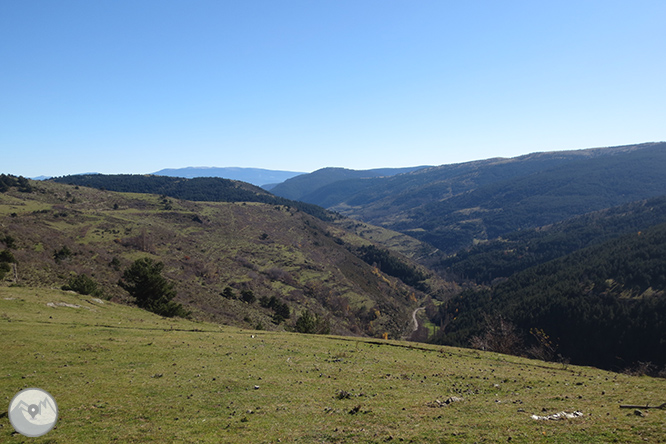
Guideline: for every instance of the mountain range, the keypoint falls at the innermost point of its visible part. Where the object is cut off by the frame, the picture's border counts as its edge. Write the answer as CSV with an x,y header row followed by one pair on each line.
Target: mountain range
x,y
537,242
300,187
454,206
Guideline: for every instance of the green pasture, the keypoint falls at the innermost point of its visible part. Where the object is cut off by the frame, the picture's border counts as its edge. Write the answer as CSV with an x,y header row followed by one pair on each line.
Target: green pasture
x,y
123,375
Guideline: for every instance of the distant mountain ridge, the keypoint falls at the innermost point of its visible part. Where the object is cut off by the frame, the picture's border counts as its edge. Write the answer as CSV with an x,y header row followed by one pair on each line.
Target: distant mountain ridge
x,y
453,206
255,176
299,188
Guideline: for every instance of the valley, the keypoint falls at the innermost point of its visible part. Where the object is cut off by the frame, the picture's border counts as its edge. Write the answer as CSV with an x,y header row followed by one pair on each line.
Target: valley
x,y
496,222
549,266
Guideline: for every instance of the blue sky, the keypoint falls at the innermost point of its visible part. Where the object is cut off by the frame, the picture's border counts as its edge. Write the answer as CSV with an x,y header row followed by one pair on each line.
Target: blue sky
x,y
135,86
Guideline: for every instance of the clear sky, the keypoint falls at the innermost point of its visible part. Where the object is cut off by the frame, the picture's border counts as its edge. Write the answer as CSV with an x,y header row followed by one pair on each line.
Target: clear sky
x,y
118,86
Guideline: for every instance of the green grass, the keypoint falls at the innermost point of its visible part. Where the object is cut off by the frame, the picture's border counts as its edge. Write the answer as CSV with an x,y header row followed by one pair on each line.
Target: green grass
x,y
10,205
124,375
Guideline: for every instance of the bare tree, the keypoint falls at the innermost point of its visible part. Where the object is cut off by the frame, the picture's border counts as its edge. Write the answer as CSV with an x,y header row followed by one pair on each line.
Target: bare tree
x,y
500,336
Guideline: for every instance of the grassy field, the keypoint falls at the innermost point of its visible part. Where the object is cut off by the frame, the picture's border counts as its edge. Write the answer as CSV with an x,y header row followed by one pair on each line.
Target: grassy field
x,y
124,375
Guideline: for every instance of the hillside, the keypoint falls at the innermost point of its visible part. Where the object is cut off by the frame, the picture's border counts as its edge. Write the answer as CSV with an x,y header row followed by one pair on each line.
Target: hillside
x,y
120,374
298,188
453,206
256,176
602,305
500,258
543,198
215,252
206,189
442,181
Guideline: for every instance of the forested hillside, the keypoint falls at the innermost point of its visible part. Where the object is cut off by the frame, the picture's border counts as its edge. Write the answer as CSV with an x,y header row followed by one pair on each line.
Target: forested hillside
x,y
602,306
500,258
298,188
453,206
564,253
540,198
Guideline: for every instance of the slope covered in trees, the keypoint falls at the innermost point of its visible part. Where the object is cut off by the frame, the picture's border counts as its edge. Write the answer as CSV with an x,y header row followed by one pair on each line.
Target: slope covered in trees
x,y
500,258
8,181
299,187
604,305
540,199
452,206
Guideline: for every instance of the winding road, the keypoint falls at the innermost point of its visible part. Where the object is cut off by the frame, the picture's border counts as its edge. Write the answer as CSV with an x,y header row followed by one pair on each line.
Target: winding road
x,y
416,322
408,333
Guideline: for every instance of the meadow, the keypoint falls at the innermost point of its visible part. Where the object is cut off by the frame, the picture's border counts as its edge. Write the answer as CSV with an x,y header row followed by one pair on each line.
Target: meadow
x,y
120,374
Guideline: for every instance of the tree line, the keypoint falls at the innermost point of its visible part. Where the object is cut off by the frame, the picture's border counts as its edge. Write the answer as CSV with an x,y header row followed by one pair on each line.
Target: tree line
x,y
8,181
393,266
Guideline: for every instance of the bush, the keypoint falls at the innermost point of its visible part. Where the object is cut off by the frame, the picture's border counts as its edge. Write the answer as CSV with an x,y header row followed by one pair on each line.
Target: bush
x,y
9,241
280,309
143,280
312,324
306,323
248,296
7,256
83,284
62,254
228,293
4,269
500,336
115,264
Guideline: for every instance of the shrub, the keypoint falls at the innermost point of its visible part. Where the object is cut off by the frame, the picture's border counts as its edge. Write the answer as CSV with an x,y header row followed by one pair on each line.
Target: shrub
x,y
9,241
306,323
4,269
115,264
228,293
248,296
280,309
62,254
500,336
143,280
83,284
7,256
266,302
312,324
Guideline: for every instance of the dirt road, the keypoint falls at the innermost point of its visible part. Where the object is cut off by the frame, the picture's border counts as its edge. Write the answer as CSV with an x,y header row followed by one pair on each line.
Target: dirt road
x,y
416,321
